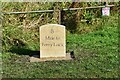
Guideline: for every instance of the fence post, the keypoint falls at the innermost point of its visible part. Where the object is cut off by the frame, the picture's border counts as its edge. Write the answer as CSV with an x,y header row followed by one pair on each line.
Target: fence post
x,y
59,16
106,3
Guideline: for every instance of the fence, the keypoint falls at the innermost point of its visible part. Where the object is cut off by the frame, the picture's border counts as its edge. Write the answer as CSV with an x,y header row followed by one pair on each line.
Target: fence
x,y
60,11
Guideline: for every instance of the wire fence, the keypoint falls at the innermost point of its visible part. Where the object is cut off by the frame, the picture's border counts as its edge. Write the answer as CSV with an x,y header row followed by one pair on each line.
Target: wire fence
x,y
58,10
41,11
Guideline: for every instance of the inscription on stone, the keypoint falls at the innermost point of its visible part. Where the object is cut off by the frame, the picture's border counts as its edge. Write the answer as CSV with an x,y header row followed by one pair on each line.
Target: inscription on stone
x,y
52,41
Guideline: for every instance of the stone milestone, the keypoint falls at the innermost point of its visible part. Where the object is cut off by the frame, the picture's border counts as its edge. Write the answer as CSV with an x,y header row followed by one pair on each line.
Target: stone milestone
x,y
52,41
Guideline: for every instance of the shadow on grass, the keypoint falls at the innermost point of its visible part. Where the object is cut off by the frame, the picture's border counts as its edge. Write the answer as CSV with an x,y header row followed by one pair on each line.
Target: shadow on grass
x,y
23,51
31,53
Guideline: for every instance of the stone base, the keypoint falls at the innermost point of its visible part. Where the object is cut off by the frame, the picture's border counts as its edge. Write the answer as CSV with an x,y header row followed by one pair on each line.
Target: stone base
x,y
36,58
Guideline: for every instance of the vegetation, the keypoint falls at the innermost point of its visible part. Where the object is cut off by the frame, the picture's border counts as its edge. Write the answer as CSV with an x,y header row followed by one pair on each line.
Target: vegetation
x,y
95,44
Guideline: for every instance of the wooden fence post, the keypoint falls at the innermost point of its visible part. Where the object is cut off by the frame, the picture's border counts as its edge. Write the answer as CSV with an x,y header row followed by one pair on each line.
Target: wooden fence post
x,y
59,16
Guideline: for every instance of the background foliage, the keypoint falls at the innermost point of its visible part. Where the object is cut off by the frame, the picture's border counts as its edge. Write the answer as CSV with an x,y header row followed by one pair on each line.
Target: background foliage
x,y
24,28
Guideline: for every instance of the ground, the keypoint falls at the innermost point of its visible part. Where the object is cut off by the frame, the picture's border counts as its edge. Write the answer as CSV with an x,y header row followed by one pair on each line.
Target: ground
x,y
96,56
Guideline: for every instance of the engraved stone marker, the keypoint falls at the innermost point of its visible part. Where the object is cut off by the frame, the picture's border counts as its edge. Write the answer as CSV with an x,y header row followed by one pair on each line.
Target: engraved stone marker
x,y
52,41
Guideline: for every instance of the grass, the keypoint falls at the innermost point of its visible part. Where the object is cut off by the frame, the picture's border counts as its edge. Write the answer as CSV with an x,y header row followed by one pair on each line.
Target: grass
x,y
96,56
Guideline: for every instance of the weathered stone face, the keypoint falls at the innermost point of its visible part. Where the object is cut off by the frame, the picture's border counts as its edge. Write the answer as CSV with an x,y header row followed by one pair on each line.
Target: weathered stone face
x,y
52,41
